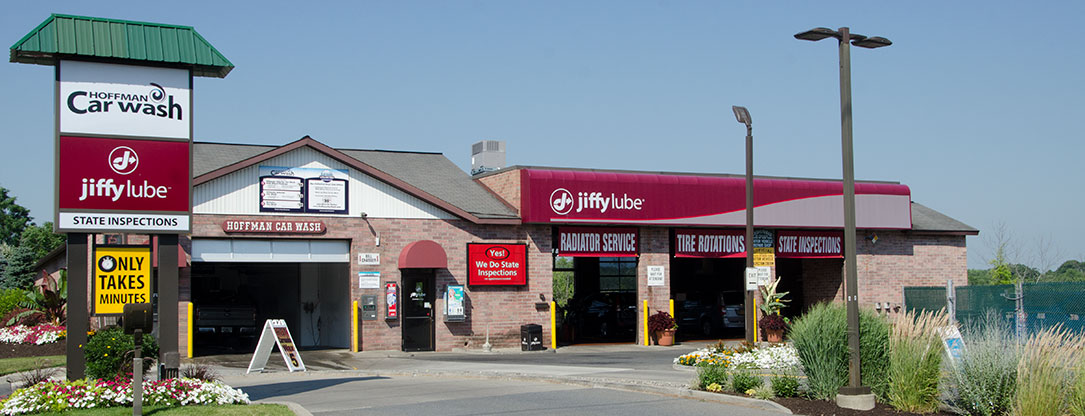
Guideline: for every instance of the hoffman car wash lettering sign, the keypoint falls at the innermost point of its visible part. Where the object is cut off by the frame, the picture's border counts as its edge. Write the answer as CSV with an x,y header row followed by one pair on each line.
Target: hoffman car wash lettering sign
x,y
496,264
125,100
273,227
122,275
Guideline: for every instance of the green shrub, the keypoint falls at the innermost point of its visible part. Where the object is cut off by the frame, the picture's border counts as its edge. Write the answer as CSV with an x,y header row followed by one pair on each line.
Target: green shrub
x,y
785,385
712,374
743,381
107,352
915,359
9,300
983,380
874,352
820,337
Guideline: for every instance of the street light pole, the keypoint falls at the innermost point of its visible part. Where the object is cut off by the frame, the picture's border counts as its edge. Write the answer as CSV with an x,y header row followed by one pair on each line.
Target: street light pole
x,y
845,38
743,116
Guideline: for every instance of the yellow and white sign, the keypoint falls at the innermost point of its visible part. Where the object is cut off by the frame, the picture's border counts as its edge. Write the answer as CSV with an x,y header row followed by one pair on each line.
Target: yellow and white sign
x,y
764,257
122,274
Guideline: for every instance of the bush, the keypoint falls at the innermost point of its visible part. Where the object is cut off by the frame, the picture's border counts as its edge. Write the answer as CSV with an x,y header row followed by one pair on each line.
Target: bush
x,y
199,372
9,300
915,359
712,374
983,381
1045,373
661,321
874,352
106,352
772,322
744,381
820,336
785,385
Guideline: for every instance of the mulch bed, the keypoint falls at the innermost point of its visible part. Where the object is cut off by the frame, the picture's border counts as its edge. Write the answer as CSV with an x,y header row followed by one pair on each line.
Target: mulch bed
x,y
828,408
31,350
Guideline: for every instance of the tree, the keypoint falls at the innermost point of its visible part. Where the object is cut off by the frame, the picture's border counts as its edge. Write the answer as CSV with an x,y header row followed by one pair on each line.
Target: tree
x,y
41,239
34,243
13,218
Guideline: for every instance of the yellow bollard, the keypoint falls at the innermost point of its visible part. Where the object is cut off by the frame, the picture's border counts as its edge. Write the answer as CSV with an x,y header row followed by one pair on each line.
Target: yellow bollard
x,y
354,327
755,338
672,310
191,321
645,322
553,325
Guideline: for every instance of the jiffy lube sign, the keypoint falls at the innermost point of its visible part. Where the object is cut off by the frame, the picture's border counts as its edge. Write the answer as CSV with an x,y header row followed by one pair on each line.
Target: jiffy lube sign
x,y
123,100
123,148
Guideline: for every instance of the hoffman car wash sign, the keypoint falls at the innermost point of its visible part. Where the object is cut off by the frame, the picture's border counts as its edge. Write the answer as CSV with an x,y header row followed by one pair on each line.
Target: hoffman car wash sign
x,y
124,148
122,275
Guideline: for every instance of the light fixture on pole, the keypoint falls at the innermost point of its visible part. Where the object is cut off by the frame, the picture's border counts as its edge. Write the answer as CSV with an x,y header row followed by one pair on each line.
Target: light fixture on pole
x,y
854,395
743,116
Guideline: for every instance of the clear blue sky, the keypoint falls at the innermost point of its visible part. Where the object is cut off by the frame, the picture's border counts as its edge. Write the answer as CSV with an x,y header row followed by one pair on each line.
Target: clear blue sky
x,y
977,106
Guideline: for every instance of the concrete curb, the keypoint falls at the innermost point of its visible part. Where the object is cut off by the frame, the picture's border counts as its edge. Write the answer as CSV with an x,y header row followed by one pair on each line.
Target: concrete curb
x,y
294,407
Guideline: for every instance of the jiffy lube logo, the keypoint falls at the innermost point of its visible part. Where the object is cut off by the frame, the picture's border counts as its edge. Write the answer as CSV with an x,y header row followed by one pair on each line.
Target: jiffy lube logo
x,y
154,103
563,202
122,160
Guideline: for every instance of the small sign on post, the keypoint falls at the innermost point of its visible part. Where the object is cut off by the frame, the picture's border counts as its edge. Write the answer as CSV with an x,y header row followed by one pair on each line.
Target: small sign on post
x,y
276,333
751,278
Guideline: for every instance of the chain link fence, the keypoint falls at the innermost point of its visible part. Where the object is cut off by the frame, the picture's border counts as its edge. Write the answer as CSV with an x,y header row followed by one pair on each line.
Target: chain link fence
x,y
1025,307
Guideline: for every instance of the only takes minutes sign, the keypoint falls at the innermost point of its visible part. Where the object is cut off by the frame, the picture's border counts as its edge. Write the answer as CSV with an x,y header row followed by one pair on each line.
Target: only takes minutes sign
x,y
122,274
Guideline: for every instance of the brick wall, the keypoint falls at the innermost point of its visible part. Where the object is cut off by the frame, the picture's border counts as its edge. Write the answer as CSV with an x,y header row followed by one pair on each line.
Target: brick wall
x,y
655,250
500,309
506,185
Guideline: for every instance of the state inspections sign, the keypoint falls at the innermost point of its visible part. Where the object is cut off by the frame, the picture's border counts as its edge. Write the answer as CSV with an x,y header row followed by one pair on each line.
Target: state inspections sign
x,y
122,274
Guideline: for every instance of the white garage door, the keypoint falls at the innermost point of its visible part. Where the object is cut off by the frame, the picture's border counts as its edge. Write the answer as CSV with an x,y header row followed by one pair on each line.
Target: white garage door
x,y
271,251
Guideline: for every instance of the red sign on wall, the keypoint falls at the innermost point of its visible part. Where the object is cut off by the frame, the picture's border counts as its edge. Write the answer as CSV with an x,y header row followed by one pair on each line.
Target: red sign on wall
x,y
704,243
598,242
496,264
809,244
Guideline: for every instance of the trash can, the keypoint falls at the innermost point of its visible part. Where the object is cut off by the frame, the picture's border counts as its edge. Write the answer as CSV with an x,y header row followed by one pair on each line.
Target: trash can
x,y
531,337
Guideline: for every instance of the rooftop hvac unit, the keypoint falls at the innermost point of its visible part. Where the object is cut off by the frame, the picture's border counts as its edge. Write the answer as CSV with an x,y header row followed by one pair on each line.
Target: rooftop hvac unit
x,y
487,155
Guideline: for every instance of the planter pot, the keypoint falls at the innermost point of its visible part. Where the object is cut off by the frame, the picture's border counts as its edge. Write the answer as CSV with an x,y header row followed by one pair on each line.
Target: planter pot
x,y
774,335
665,337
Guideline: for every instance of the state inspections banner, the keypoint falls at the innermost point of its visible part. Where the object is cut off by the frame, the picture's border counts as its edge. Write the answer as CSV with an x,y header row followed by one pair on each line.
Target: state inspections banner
x,y
122,275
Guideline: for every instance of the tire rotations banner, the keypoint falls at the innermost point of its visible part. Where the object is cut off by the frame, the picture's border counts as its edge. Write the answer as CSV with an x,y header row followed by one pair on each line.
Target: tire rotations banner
x,y
496,264
704,243
598,242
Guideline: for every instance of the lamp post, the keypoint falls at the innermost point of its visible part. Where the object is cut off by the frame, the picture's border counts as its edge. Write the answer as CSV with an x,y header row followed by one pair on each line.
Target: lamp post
x,y
743,116
845,39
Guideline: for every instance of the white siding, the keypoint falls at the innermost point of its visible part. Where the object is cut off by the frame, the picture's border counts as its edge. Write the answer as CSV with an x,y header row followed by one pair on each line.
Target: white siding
x,y
239,192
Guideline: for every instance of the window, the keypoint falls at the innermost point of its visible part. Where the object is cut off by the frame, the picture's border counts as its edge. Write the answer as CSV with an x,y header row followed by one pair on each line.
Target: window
x,y
564,280
617,274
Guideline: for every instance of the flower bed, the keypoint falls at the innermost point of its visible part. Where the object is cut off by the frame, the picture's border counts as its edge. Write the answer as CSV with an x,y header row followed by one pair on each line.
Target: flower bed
x,y
773,357
37,335
81,394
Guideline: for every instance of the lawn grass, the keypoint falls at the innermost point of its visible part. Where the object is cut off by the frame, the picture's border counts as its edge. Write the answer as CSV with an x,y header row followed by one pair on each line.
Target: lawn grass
x,y
17,365
205,410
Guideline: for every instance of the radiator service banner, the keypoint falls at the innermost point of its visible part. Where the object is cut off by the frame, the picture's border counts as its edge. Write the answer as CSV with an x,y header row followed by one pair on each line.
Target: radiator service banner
x,y
598,242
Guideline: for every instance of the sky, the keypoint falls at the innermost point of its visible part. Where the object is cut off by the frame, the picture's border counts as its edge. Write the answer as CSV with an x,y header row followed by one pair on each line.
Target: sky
x,y
977,106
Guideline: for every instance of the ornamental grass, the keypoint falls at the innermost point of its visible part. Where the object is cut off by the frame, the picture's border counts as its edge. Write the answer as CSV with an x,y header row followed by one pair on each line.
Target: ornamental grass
x,y
983,381
1046,376
915,360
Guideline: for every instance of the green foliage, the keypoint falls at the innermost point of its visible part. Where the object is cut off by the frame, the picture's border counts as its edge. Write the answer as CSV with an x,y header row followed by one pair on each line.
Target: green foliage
x,y
983,381
874,352
41,239
820,337
19,273
52,299
1077,392
661,321
785,385
106,352
13,218
744,380
773,301
711,374
9,300
915,359
1045,374
563,288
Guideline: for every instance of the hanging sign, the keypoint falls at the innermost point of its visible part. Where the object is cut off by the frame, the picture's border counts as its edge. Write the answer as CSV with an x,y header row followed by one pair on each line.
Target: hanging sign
x,y
496,264
122,275
809,244
308,190
598,242
709,243
276,333
391,301
454,309
764,256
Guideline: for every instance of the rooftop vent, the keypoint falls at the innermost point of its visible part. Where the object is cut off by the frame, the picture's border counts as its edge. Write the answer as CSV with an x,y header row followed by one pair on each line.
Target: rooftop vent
x,y
487,155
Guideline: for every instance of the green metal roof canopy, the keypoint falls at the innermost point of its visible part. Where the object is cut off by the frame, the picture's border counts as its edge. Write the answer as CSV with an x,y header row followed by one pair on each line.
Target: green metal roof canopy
x,y
65,37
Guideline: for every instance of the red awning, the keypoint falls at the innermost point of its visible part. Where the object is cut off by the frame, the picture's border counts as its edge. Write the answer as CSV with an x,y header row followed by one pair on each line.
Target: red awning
x,y
423,254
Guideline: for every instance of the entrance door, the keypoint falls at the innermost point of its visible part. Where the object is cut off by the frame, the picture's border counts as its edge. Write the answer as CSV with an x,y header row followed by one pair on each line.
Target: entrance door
x,y
418,309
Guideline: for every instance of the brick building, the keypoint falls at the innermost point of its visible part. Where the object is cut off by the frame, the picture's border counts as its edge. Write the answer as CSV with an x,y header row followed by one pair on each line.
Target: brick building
x,y
301,231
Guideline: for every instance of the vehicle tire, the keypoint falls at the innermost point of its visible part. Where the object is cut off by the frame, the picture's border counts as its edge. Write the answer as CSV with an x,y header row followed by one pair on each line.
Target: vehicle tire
x,y
706,328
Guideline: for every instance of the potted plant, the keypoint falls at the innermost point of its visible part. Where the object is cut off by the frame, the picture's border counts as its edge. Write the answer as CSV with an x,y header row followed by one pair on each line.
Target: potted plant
x,y
771,323
662,327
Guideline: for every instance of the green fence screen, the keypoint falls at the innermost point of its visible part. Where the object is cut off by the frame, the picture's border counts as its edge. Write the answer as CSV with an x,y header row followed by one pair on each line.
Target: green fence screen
x,y
1042,304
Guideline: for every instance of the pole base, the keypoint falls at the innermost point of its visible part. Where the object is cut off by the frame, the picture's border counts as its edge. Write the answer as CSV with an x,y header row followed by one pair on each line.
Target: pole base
x,y
855,400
